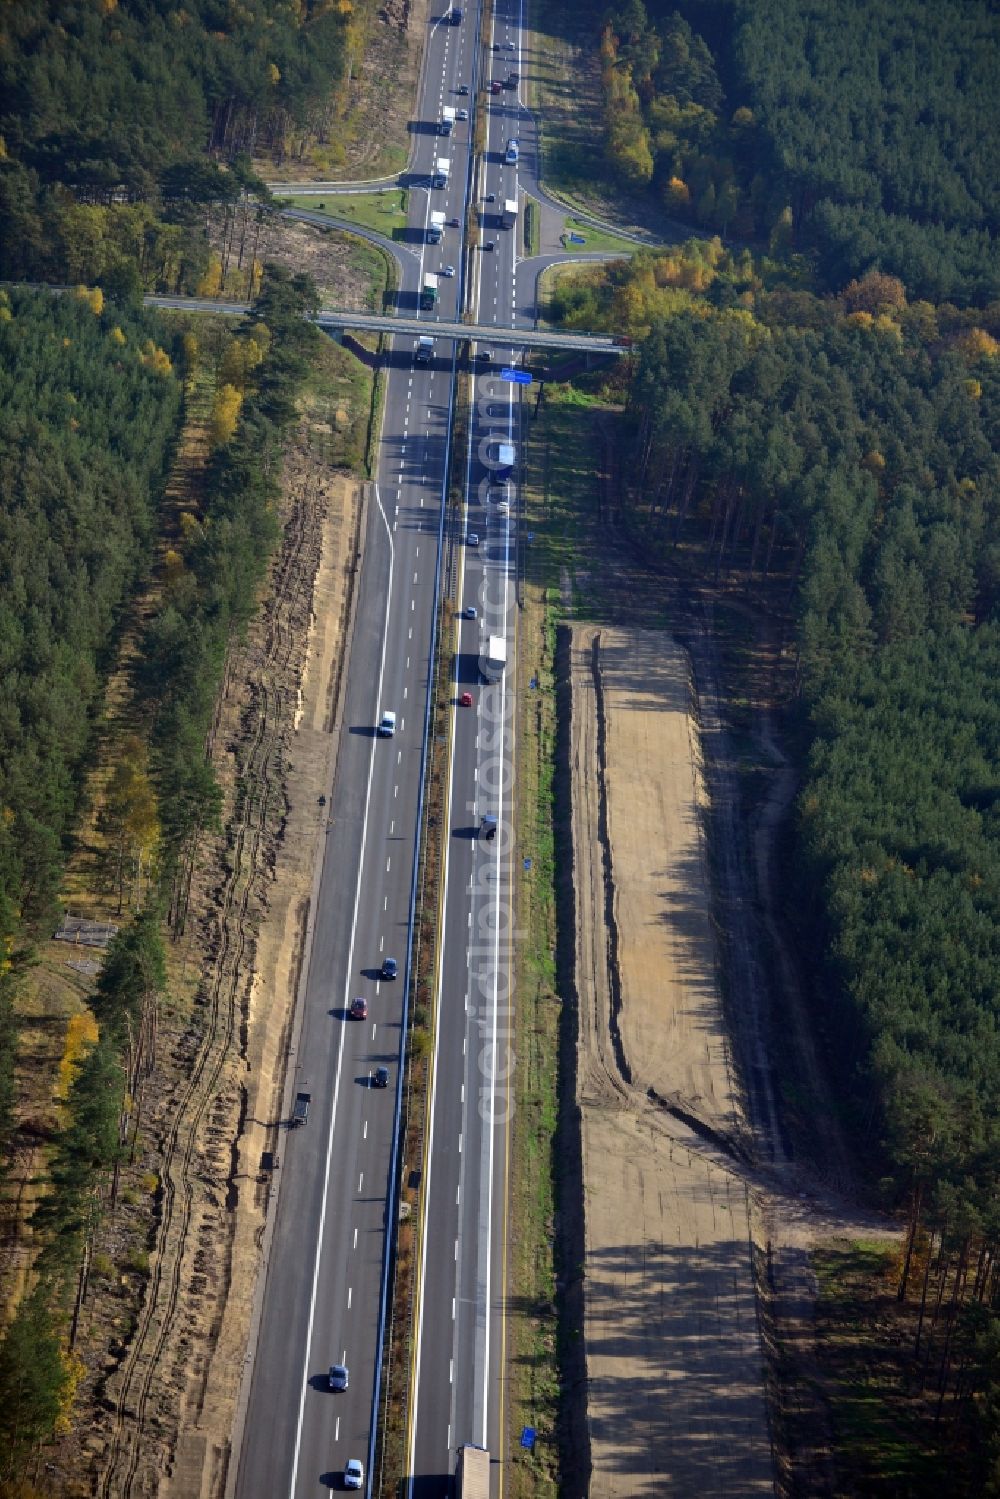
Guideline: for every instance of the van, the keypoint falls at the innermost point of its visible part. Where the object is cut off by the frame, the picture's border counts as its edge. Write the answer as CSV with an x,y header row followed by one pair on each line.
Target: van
x,y
387,725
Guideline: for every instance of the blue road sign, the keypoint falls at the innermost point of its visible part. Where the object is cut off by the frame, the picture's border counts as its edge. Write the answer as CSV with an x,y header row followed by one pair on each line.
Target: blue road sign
x,y
519,377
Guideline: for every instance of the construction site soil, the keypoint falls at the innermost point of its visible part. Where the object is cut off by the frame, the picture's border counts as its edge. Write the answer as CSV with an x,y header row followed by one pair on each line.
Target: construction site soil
x,y
155,1406
674,1359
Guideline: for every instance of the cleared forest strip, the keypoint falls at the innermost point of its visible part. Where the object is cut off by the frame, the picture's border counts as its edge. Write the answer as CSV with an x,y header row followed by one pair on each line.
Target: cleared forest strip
x,y
172,1399
675,1365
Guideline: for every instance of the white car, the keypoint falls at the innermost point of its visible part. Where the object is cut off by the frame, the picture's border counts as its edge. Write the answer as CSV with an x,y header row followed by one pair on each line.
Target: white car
x,y
449,270
354,1474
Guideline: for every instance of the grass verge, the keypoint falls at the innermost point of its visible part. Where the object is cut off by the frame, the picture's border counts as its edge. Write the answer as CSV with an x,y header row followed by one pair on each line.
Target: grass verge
x,y
384,211
547,1376
339,399
565,88
532,240
532,1361
595,239
376,267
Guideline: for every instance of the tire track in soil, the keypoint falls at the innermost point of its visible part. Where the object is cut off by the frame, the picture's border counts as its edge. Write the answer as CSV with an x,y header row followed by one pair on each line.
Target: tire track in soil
x,y
224,1016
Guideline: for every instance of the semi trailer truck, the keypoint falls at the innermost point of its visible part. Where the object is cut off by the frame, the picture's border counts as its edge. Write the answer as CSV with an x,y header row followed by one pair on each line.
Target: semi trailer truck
x,y
472,1476
493,658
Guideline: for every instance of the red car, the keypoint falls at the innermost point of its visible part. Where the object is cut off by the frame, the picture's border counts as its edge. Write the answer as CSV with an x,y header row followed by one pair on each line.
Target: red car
x,y
359,1009
465,700
496,87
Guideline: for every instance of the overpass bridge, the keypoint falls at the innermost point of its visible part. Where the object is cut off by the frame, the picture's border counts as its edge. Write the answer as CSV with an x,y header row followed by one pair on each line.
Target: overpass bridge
x,y
480,333
488,334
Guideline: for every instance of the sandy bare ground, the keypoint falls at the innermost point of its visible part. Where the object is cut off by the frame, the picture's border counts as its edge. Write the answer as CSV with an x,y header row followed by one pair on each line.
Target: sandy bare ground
x,y
208,1404
676,1397
164,1424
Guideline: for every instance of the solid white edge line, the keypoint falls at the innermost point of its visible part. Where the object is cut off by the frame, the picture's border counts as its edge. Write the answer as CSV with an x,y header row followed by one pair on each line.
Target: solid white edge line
x,y
418,1341
496,980
343,1028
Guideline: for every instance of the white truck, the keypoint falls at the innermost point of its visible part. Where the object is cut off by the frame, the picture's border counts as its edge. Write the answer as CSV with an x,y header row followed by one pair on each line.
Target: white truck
x,y
442,171
493,659
446,124
505,460
425,349
472,1476
435,227
509,216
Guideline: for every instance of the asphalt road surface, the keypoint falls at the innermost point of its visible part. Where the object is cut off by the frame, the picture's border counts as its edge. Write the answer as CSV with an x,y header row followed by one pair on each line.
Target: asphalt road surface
x,y
460,1350
322,1293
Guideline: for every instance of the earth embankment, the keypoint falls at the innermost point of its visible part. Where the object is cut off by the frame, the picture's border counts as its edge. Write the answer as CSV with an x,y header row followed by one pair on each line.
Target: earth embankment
x,y
674,1358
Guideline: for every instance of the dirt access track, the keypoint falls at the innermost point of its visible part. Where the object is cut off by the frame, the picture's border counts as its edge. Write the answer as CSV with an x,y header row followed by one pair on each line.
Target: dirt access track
x,y
675,1367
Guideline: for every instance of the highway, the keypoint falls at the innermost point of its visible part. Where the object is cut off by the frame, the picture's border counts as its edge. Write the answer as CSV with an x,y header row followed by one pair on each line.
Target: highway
x,y
321,1292
458,1389
321,1298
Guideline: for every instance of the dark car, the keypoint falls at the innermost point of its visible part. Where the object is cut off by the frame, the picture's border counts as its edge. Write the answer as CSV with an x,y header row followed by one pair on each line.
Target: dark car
x,y
389,968
339,1377
490,244
381,1077
359,1008
463,89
